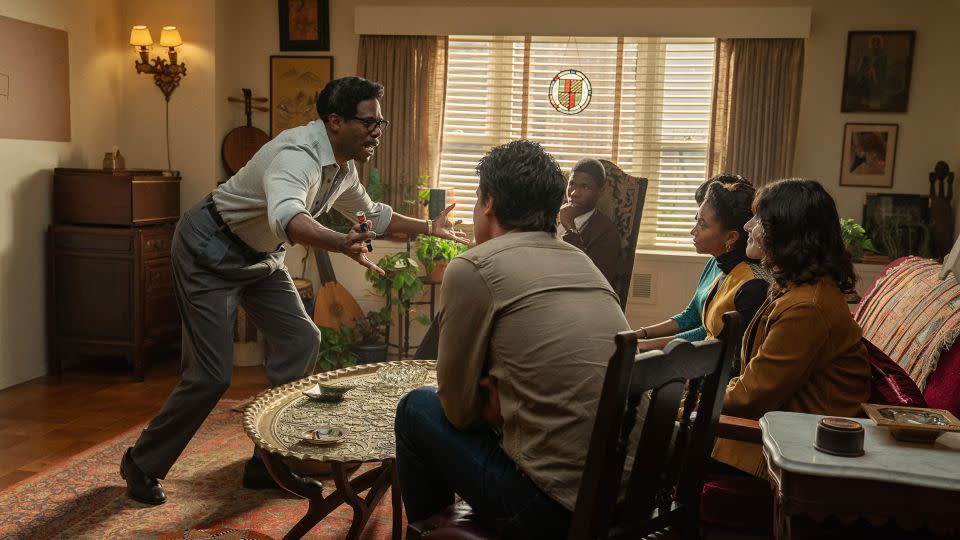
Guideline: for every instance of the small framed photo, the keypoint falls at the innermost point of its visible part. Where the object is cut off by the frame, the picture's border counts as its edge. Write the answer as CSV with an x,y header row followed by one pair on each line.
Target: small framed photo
x,y
304,25
876,76
295,83
869,152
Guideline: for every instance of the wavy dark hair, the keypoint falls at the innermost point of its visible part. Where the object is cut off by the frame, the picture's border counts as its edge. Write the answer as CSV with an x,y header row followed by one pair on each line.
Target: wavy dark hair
x,y
526,184
341,96
722,179
732,203
801,235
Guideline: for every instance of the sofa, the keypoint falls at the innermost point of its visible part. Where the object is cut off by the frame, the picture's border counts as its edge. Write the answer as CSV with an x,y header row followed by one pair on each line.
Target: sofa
x,y
919,282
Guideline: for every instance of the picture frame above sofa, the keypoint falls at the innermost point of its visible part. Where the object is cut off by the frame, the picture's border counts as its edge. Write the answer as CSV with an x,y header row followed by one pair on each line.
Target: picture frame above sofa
x,y
869,155
876,76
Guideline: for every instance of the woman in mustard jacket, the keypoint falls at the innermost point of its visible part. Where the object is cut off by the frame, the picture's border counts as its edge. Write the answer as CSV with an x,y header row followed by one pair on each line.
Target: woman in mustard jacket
x,y
802,351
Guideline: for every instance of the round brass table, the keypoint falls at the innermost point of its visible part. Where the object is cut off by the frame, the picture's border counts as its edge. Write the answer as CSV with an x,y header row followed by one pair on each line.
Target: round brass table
x,y
278,417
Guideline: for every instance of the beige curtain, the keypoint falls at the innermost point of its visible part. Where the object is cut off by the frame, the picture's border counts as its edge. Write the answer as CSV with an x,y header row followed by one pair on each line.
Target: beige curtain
x,y
756,108
413,71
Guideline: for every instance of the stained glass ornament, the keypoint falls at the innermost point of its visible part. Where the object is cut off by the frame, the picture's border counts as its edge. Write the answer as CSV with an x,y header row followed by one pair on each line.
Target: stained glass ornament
x,y
570,91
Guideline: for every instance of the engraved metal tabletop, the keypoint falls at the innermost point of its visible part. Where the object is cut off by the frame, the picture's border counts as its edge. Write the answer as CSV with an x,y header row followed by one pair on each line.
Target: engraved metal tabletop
x,y
278,417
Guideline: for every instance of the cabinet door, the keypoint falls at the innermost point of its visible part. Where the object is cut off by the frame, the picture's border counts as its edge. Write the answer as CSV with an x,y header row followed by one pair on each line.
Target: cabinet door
x,y
94,297
160,317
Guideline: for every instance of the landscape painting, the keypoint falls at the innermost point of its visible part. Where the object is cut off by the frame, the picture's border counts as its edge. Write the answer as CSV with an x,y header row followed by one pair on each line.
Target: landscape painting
x,y
295,82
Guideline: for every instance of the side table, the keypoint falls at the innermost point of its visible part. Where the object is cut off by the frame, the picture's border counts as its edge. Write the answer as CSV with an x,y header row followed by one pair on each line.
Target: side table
x,y
913,484
277,417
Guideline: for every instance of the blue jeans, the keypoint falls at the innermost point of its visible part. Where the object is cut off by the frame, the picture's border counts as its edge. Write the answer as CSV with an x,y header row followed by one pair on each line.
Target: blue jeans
x,y
436,460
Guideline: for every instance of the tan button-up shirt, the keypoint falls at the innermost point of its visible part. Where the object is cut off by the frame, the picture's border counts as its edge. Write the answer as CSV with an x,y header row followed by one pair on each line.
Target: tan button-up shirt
x,y
536,314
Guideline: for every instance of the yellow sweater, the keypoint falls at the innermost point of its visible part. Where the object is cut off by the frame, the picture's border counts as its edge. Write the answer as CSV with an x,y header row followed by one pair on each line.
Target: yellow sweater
x,y
723,297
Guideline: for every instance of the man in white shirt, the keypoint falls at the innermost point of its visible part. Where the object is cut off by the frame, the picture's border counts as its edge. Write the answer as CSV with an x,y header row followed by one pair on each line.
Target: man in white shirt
x,y
228,251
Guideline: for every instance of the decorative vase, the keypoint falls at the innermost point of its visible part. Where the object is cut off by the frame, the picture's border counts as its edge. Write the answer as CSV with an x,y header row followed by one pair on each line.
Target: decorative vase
x,y
108,161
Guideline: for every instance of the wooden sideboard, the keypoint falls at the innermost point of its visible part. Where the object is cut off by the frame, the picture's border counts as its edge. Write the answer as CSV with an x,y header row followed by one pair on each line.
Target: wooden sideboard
x,y
110,284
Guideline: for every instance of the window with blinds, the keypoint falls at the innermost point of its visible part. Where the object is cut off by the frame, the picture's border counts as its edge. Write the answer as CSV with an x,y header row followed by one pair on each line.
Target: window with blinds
x,y
649,114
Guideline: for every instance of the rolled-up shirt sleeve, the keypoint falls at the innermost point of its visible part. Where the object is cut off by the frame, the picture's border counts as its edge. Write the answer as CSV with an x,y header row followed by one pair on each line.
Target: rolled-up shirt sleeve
x,y
466,318
285,183
354,198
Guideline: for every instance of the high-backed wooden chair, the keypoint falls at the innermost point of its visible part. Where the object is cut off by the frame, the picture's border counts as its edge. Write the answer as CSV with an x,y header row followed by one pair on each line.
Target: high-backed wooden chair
x,y
641,394
622,201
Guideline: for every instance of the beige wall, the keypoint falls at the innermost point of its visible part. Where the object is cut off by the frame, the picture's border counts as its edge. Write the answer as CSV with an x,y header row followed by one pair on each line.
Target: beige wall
x,y
95,91
228,44
194,146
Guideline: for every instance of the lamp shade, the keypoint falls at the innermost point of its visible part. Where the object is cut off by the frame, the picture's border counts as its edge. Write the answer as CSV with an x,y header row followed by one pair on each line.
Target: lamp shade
x,y
170,37
140,36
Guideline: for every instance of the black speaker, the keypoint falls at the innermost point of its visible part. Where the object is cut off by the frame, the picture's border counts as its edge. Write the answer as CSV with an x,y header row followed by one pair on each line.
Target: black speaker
x,y
438,202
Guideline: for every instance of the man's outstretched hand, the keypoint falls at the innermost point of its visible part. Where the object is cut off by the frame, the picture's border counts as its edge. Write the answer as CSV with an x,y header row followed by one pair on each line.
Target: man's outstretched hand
x,y
443,227
354,245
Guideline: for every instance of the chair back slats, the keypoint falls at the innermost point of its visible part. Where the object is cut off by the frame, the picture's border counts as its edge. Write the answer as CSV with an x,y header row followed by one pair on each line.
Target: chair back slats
x,y
643,393
655,468
606,452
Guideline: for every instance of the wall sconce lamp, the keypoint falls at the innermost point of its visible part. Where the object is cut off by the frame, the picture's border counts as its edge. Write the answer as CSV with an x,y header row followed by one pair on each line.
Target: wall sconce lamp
x,y
166,75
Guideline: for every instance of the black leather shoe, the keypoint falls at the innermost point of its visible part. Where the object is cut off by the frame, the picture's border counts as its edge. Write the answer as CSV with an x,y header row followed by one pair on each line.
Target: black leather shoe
x,y
256,476
140,487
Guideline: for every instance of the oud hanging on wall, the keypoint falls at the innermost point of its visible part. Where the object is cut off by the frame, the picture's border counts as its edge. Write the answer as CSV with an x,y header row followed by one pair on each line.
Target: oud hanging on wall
x,y
243,142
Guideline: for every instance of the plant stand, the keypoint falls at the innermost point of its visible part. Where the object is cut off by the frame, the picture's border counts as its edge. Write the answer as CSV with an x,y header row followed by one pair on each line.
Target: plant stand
x,y
403,318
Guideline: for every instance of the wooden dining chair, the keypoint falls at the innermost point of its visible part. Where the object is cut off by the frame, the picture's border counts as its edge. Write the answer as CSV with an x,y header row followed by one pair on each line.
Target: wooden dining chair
x,y
638,403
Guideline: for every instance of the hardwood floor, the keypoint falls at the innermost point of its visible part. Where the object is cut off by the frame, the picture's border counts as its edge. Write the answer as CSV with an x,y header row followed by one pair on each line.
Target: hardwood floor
x,y
51,418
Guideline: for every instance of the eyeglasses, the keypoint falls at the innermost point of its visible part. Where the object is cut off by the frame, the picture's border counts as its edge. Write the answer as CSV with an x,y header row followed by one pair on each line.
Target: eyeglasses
x,y
371,124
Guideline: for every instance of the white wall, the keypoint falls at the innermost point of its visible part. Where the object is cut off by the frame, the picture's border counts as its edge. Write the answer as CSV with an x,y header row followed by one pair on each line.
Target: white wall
x,y
95,91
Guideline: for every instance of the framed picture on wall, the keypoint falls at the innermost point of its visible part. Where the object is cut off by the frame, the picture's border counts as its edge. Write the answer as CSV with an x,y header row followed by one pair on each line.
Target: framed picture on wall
x,y
304,25
876,76
295,82
869,152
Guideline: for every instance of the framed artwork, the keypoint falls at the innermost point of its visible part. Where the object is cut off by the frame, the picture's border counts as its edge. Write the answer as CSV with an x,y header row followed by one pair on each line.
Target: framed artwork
x,y
295,82
869,151
898,223
876,76
304,25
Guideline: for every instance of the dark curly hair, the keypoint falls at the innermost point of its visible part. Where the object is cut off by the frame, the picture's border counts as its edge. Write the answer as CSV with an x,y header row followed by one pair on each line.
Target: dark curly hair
x,y
526,184
722,179
801,235
593,168
732,203
341,96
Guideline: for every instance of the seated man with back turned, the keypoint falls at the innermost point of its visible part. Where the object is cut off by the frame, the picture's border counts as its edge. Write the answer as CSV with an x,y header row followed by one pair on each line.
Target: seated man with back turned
x,y
586,227
526,329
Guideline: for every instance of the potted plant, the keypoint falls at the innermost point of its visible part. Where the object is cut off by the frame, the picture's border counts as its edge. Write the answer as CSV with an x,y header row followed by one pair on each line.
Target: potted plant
x,y
399,286
335,349
435,253
855,238
370,338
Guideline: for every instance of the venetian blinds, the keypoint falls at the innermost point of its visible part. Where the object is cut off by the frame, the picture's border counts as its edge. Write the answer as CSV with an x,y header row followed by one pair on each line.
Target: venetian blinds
x,y
649,114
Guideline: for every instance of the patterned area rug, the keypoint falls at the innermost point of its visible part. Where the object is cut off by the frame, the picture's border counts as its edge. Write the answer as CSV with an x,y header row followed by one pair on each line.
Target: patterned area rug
x,y
84,496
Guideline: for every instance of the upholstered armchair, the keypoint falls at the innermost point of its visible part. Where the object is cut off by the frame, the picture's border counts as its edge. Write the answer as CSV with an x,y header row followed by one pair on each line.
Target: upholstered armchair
x,y
622,201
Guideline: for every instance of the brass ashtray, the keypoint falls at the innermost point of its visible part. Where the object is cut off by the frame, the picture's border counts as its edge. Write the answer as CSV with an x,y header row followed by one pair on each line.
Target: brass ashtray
x,y
324,435
913,424
327,393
